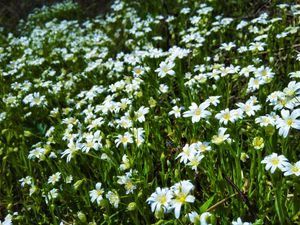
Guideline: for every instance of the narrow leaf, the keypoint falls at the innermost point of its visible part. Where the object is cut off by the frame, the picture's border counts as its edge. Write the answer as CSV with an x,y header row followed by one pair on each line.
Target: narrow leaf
x,y
205,206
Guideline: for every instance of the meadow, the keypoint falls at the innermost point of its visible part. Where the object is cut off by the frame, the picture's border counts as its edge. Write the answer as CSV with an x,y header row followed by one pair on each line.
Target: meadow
x,y
156,112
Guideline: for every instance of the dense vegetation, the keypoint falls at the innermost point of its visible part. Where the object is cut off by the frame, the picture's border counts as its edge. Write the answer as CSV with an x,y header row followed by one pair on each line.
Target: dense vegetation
x,y
158,112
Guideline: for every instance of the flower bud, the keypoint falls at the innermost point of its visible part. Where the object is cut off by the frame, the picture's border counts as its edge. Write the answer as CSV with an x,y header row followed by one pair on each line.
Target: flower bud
x,y
77,184
131,206
81,217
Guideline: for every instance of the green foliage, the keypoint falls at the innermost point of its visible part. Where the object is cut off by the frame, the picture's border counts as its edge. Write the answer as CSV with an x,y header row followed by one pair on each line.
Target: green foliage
x,y
160,112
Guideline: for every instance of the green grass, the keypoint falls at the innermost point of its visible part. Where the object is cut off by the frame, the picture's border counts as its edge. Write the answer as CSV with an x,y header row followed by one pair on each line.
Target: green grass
x,y
90,135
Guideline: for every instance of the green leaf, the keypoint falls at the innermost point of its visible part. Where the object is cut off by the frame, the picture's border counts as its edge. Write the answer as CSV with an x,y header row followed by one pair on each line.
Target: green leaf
x,y
205,206
258,222
278,206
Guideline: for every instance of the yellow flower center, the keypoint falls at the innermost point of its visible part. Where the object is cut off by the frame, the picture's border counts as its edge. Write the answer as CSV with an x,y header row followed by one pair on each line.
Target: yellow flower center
x,y
124,140
99,192
247,108
90,144
275,161
198,112
226,116
217,139
289,121
203,148
181,197
129,185
266,120
295,169
138,71
37,100
264,73
165,69
290,92
162,199
195,162
123,105
283,102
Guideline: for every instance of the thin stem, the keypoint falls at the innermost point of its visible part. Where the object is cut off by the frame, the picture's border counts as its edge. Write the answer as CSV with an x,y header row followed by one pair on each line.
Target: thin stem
x,y
221,202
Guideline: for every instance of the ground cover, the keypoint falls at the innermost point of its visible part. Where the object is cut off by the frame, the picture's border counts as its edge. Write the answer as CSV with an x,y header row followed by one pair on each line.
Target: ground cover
x,y
158,112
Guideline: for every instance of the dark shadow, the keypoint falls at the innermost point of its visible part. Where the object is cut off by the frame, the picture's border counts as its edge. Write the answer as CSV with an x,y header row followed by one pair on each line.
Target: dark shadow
x,y
12,11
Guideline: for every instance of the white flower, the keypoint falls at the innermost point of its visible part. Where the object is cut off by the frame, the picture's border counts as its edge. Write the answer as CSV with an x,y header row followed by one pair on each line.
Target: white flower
x,y
291,169
224,71
197,112
2,116
52,194
247,70
113,198
254,84
124,122
178,52
95,123
204,218
27,180
35,99
242,24
242,49
163,88
176,111
137,71
127,182
124,139
264,73
36,153
186,153
194,217
32,189
292,89
194,160
73,147
257,46
221,137
295,74
265,120
93,141
54,178
274,161
224,116
138,134
96,194
182,195
140,114
249,107
165,68
214,100
287,121
69,179
284,102
160,199
185,10
274,97
227,46
201,146
240,222
126,163
7,220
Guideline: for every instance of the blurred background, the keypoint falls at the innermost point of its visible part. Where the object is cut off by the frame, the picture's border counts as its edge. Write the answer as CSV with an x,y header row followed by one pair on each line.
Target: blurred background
x,y
11,11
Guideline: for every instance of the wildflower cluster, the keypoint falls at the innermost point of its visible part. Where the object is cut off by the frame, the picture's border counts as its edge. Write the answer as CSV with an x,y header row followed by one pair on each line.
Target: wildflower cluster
x,y
166,199
156,112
